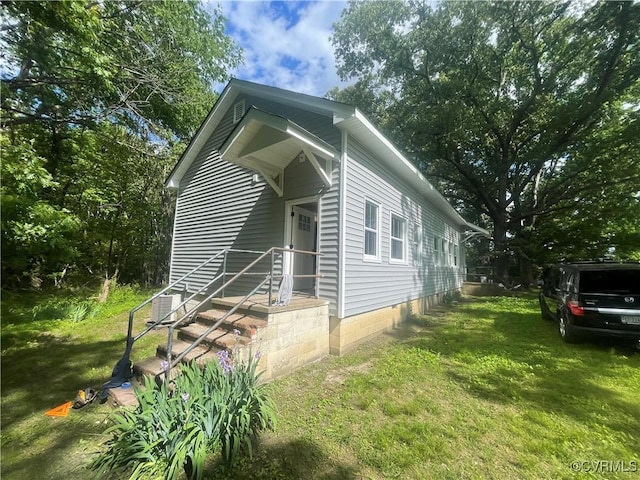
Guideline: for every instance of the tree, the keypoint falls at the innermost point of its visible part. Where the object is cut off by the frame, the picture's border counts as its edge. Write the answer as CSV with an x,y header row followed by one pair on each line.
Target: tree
x,y
36,236
498,102
100,97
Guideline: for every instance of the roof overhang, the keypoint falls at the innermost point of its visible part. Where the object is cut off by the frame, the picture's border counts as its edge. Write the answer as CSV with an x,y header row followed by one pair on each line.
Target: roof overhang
x,y
345,117
362,130
267,144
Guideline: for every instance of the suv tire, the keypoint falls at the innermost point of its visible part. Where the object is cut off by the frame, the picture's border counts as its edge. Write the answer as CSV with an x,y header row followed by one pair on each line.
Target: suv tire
x,y
566,330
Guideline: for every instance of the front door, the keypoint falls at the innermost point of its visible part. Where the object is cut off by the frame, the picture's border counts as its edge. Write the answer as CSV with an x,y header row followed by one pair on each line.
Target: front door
x,y
303,237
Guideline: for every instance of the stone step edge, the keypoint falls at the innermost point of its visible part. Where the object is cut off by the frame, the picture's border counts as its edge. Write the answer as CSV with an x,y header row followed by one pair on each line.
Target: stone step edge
x,y
241,321
223,339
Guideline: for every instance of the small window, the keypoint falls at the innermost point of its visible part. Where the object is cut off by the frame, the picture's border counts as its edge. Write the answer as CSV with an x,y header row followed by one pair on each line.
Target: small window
x,y
304,223
238,111
398,238
371,231
436,250
455,254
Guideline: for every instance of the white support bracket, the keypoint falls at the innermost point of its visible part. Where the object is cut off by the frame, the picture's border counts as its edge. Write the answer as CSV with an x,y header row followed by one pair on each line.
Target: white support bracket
x,y
277,187
316,166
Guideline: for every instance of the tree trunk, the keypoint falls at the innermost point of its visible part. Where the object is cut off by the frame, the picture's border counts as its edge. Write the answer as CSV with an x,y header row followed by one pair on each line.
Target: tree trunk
x,y
104,293
501,252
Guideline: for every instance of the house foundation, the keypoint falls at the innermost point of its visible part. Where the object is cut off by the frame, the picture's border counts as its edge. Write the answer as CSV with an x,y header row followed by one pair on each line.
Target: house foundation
x,y
347,333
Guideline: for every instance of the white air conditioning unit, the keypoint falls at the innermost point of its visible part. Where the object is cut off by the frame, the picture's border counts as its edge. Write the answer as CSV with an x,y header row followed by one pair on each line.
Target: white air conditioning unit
x,y
162,305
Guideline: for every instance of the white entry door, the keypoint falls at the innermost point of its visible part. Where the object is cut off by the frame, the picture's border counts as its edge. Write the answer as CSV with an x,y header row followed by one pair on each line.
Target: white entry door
x,y
303,236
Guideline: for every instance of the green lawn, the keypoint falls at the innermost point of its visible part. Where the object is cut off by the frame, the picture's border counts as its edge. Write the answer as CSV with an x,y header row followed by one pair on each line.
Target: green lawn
x,y
485,389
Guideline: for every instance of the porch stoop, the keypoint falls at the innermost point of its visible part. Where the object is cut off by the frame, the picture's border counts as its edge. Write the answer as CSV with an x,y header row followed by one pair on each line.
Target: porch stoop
x,y
284,337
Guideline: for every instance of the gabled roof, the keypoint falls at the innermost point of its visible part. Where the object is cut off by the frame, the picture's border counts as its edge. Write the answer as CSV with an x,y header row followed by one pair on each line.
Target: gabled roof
x,y
345,117
226,100
272,140
268,143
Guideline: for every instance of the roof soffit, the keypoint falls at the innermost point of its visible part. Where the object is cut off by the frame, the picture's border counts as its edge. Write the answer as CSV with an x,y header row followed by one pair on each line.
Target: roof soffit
x,y
268,143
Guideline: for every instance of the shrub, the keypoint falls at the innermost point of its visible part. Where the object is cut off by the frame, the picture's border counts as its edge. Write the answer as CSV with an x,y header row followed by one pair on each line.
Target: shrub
x,y
452,297
217,409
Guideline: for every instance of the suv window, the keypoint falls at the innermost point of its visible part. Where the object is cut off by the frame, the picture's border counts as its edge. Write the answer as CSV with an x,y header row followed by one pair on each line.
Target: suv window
x,y
610,281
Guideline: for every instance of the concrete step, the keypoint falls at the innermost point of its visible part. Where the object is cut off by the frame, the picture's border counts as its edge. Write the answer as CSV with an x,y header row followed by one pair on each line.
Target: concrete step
x,y
123,397
201,354
246,324
260,306
250,307
219,338
149,367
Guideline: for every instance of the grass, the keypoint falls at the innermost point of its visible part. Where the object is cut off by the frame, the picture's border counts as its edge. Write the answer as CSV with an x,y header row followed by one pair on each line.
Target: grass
x,y
54,344
485,389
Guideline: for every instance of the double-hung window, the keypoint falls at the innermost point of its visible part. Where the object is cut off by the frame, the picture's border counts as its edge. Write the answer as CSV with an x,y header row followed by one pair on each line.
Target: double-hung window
x,y
398,238
371,231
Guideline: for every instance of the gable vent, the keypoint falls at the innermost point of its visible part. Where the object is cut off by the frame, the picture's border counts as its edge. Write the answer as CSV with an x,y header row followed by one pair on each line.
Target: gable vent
x,y
238,111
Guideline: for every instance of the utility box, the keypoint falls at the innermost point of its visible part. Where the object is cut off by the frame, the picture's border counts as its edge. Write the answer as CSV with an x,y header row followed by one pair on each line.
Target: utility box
x,y
161,306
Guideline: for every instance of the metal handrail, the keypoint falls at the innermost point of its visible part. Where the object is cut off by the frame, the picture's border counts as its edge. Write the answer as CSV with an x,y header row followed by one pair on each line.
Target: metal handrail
x,y
132,312
269,277
175,309
222,287
172,327
171,362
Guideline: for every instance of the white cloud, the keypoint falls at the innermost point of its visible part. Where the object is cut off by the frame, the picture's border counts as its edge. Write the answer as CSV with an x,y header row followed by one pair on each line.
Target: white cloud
x,y
286,44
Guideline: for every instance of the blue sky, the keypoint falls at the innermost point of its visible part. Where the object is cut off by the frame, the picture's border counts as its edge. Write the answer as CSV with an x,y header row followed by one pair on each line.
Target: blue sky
x,y
286,44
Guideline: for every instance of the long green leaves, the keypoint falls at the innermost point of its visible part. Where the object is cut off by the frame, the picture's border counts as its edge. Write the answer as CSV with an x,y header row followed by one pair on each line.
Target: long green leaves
x,y
178,424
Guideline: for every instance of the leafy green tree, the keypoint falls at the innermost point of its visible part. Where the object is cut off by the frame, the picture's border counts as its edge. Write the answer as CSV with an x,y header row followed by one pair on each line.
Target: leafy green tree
x,y
36,237
146,65
603,217
100,96
499,102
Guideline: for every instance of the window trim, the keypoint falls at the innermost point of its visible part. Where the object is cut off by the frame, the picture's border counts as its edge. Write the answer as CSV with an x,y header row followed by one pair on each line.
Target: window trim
x,y
378,231
404,259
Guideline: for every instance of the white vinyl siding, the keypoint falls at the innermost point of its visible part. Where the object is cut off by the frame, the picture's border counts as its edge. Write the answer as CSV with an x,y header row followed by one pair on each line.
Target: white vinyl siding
x,y
372,285
220,206
398,239
371,231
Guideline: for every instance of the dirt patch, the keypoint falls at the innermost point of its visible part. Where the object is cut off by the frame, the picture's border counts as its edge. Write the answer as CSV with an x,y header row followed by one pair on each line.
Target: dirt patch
x,y
339,375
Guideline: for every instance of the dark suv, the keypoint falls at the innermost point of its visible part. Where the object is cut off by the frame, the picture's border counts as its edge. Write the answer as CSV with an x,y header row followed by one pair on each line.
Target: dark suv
x,y
593,298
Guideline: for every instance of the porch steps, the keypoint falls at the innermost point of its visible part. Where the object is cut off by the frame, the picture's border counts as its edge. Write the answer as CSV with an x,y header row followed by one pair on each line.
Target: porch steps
x,y
239,330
